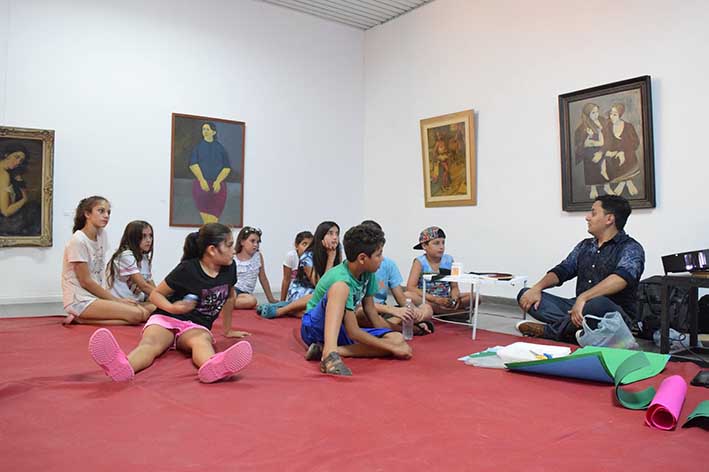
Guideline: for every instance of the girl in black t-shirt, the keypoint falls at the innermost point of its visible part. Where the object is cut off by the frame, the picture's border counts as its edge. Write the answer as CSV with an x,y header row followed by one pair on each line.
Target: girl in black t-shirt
x,y
207,273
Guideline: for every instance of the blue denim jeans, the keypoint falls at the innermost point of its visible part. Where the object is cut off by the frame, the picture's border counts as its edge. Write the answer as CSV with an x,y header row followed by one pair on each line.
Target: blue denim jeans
x,y
554,311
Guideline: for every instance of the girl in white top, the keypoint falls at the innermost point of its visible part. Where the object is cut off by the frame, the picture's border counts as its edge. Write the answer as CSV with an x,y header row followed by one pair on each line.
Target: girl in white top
x,y
249,267
86,299
129,271
290,264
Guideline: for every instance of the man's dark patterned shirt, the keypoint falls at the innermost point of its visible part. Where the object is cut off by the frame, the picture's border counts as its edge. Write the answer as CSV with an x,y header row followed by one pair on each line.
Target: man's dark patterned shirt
x,y
622,256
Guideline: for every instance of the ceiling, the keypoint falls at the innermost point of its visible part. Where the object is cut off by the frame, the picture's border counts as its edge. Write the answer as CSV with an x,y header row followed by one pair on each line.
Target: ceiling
x,y
361,14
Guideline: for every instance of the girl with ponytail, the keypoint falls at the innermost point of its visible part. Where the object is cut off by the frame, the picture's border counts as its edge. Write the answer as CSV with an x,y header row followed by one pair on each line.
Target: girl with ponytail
x,y
188,302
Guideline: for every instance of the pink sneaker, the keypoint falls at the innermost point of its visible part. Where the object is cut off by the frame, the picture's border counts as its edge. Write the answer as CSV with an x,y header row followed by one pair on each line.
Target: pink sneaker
x,y
224,364
108,355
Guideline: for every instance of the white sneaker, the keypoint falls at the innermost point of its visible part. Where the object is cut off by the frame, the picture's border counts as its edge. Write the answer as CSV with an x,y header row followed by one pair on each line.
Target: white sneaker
x,y
579,333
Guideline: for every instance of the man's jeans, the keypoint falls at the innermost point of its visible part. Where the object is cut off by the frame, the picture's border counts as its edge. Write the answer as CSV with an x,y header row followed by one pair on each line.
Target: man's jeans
x,y
554,311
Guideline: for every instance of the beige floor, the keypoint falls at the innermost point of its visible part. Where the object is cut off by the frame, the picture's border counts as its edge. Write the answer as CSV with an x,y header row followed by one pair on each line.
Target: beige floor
x,y
498,317
496,314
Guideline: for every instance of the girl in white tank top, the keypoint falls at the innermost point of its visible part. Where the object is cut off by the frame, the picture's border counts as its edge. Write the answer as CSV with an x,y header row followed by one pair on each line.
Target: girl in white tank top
x,y
249,268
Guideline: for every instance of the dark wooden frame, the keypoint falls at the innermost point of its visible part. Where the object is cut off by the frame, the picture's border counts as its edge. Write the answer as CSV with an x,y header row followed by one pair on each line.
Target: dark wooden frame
x,y
648,155
44,239
172,166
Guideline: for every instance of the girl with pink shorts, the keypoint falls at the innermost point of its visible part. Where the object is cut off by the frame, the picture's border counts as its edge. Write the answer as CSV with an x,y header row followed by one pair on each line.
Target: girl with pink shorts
x,y
188,302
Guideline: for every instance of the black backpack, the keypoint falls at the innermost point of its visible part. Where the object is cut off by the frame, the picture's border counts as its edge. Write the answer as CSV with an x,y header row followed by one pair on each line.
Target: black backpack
x,y
650,307
703,314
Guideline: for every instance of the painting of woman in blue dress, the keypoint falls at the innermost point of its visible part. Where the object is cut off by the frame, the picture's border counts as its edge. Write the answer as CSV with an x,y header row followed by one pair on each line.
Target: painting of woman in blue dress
x,y
207,171
210,165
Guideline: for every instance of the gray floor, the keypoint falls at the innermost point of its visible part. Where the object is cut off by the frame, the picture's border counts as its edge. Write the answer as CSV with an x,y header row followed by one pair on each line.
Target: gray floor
x,y
31,309
497,314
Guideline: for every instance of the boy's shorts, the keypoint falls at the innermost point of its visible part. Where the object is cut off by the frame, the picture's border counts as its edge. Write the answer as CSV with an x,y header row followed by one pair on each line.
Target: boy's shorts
x,y
178,327
312,327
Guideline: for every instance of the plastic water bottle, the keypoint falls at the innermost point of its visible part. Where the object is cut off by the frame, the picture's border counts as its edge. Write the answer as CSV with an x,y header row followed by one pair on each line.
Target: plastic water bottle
x,y
407,326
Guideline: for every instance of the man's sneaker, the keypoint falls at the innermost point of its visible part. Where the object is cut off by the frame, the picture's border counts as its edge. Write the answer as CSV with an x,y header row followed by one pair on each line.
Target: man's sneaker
x,y
531,328
579,333
314,352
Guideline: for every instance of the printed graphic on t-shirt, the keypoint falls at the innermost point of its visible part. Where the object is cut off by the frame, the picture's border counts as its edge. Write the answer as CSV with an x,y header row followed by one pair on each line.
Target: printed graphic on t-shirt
x,y
212,300
96,266
382,285
358,292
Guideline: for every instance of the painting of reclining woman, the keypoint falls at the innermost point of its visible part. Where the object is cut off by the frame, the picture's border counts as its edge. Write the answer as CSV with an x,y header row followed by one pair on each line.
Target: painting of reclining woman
x,y
607,145
26,157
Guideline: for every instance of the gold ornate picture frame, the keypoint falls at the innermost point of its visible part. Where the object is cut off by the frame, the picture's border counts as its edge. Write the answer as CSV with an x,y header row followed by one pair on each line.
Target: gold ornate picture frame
x,y
449,165
26,186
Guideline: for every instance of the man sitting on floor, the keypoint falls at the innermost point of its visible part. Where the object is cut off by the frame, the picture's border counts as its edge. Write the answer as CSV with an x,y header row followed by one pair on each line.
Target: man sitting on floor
x,y
608,267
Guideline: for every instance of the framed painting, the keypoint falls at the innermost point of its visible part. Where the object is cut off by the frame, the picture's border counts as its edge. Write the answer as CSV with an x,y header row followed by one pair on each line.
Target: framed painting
x,y
607,145
448,151
206,171
26,186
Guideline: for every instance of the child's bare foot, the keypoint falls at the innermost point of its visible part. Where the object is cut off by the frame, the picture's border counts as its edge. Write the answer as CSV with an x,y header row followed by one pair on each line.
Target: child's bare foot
x,y
423,328
237,334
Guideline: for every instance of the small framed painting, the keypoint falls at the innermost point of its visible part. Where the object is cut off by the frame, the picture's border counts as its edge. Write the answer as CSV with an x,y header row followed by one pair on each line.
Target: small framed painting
x,y
26,186
448,152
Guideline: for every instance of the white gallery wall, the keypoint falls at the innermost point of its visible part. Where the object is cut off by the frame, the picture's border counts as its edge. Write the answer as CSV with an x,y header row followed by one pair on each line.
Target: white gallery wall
x,y
320,99
509,60
106,76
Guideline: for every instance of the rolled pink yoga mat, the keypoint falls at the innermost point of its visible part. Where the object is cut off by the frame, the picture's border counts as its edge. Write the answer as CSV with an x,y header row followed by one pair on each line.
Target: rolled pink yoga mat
x,y
664,410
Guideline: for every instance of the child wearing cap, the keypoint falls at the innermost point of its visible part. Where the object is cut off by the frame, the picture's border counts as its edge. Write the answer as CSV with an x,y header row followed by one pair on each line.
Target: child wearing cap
x,y
444,297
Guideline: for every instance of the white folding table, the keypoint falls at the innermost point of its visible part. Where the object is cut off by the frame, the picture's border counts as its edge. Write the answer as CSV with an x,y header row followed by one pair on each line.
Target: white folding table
x,y
475,281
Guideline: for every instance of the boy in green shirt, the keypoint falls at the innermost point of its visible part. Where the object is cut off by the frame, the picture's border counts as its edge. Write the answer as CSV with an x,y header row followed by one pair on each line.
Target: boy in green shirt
x,y
330,326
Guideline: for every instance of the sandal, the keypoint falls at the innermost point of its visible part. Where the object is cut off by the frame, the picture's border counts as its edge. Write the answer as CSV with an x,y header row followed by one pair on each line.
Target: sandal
x,y
333,365
268,310
423,328
314,352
